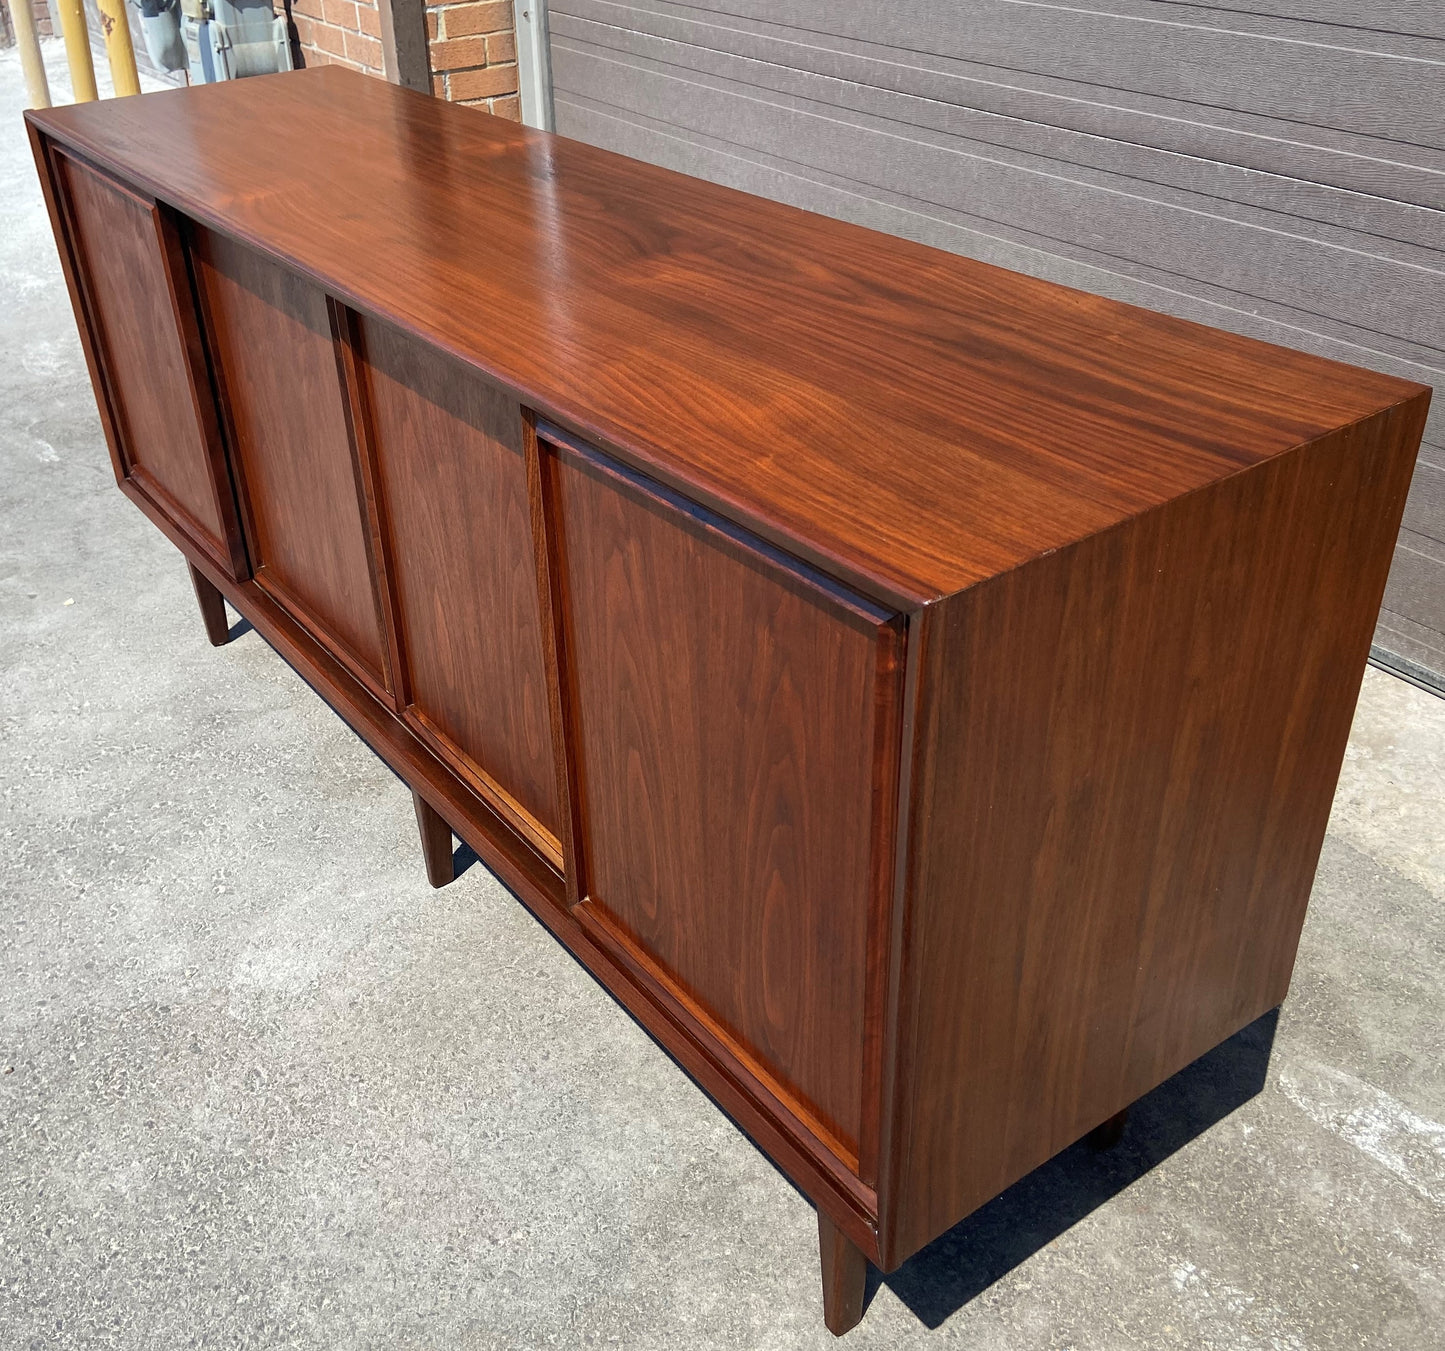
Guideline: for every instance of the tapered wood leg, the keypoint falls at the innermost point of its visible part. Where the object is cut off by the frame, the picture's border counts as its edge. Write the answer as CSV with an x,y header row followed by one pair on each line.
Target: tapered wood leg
x,y
436,843
845,1278
1110,1133
213,608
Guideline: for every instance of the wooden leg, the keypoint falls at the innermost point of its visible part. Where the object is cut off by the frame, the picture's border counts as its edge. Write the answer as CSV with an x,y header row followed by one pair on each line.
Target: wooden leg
x,y
213,608
436,842
1110,1133
845,1278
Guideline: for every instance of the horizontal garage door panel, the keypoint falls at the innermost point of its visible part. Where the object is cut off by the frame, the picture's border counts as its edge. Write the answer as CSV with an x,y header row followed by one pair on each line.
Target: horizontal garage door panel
x,y
913,110
1265,166
1414,588
1374,285
1423,18
1426,507
1398,162
1422,648
935,102
1372,83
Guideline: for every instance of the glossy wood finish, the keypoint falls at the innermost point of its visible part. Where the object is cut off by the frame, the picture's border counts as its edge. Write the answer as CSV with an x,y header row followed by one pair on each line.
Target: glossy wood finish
x,y
845,1278
436,842
914,691
1175,180
452,488
1119,811
712,685
274,352
124,248
912,421
213,608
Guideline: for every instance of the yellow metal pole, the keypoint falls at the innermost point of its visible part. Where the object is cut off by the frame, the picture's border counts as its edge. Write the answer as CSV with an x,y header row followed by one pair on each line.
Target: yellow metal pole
x,y
118,49
77,50
37,87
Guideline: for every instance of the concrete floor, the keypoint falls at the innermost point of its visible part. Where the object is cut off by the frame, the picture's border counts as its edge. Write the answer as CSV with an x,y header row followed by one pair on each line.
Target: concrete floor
x,y
261,1087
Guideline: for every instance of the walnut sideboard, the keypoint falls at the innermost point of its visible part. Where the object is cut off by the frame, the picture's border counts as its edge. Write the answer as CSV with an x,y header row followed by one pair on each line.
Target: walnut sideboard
x,y
914,690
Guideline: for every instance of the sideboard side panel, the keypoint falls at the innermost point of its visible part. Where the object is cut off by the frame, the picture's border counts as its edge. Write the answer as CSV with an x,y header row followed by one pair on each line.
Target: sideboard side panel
x,y
726,720
452,489
275,356
1130,751
145,380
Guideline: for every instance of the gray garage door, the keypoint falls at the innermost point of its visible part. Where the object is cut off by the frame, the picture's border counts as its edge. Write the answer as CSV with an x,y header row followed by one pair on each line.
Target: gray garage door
x,y
1276,167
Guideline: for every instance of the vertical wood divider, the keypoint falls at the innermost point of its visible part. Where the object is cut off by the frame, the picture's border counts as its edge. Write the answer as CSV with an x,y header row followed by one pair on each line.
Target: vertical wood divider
x,y
547,547
347,341
185,310
223,409
64,228
889,685
897,1009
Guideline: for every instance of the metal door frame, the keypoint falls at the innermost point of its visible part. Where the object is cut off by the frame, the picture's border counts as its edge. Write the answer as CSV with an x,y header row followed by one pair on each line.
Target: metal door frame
x,y
534,62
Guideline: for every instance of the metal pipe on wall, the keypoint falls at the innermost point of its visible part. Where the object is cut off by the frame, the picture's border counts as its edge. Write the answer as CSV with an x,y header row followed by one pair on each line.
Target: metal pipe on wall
x,y
77,50
118,48
37,87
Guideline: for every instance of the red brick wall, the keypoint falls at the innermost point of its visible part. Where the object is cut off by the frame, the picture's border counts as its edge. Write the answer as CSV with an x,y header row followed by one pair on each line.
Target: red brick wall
x,y
474,54
38,8
472,46
339,32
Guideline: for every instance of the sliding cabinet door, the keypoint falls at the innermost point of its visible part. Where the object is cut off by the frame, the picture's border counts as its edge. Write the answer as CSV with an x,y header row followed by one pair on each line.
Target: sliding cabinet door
x,y
733,722
277,356
138,313
452,498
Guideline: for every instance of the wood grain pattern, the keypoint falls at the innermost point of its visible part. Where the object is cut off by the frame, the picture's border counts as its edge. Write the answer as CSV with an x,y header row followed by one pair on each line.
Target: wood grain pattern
x,y
148,394
436,842
1119,812
560,711
274,350
185,315
213,609
1337,247
537,884
845,1278
932,684
715,689
911,421
346,338
452,491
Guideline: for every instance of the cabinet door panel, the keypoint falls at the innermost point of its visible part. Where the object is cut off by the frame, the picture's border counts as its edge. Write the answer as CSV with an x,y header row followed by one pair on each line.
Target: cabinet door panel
x,y
275,356
734,727
452,488
120,254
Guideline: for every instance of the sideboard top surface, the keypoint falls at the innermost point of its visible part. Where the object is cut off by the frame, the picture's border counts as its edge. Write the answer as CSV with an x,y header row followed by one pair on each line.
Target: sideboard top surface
x,y
912,420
